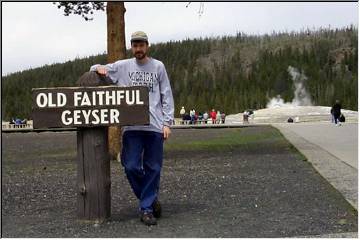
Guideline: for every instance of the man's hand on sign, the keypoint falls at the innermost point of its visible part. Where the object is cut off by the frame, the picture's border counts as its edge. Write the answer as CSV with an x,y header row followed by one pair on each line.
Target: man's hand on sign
x,y
167,132
101,70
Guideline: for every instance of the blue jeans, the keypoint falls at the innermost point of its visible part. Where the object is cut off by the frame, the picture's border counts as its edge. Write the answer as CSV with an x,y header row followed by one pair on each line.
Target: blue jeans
x,y
142,157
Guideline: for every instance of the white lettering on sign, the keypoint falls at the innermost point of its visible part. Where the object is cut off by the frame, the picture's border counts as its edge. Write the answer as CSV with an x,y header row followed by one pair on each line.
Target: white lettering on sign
x,y
138,101
101,94
77,98
132,101
120,95
77,116
86,115
47,100
104,115
86,100
61,99
41,100
94,98
94,116
50,101
114,116
88,106
107,98
64,119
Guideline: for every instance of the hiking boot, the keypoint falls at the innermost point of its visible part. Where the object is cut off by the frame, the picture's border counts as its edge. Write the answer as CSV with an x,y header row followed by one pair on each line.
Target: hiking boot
x,y
148,219
156,209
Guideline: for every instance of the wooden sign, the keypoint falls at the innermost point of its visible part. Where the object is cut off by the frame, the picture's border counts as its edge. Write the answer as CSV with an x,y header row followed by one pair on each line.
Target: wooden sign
x,y
89,106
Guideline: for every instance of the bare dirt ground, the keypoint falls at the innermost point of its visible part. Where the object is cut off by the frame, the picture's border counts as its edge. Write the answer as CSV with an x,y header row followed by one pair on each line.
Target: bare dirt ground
x,y
247,182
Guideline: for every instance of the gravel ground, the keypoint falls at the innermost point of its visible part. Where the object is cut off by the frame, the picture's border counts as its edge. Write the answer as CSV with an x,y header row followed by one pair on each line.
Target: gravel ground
x,y
257,188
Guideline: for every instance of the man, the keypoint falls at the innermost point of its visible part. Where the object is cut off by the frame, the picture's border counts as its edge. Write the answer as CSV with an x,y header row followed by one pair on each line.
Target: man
x,y
223,118
332,115
182,114
337,112
218,117
245,117
192,115
142,151
205,117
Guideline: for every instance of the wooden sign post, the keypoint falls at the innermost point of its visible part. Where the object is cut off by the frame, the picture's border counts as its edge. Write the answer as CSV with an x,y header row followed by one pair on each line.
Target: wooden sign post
x,y
91,110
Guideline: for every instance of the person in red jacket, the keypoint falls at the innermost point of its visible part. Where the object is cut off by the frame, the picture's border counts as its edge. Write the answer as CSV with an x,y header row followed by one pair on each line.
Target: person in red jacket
x,y
213,116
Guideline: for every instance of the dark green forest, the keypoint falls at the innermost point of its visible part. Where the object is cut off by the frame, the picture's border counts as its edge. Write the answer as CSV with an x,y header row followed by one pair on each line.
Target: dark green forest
x,y
229,73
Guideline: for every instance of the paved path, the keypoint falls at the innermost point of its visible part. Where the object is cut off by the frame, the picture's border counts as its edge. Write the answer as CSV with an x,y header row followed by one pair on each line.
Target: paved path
x,y
340,141
332,151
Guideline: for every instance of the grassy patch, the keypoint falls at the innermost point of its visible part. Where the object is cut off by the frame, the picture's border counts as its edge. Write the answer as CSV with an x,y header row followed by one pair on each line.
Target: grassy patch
x,y
50,154
228,140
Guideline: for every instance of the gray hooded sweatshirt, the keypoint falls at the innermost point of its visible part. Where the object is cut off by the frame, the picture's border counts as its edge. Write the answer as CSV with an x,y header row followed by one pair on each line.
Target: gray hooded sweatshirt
x,y
129,72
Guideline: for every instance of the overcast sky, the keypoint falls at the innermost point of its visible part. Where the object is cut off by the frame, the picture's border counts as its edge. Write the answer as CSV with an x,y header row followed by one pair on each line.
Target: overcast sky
x,y
35,34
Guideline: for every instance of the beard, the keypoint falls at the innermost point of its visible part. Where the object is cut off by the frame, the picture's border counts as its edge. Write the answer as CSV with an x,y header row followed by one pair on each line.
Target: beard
x,y
140,55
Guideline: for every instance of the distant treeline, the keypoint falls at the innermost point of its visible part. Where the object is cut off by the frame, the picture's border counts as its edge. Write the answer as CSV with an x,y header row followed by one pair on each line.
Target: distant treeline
x,y
230,73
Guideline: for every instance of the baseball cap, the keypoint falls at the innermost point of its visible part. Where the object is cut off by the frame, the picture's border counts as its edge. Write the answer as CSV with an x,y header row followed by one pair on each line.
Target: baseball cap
x,y
139,36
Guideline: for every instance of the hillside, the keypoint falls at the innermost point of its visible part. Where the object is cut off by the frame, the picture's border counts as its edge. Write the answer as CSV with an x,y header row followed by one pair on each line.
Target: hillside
x,y
229,73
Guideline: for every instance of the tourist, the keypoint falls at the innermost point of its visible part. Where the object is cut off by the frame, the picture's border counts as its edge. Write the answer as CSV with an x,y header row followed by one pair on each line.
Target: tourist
x,y
213,116
142,146
223,118
205,117
337,112
182,112
218,117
